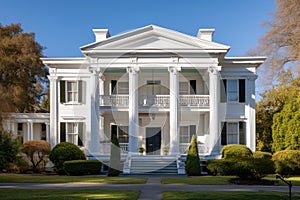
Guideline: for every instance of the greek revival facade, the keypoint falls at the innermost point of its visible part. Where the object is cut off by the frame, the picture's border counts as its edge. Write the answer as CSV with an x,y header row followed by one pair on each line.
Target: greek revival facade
x,y
153,88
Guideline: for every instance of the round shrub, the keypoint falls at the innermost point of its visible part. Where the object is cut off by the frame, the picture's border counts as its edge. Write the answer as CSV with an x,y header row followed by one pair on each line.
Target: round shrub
x,y
82,167
287,162
261,154
62,152
236,151
220,167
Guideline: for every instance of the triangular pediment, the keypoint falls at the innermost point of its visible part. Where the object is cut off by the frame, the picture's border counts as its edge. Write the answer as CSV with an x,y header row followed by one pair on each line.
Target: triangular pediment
x,y
154,37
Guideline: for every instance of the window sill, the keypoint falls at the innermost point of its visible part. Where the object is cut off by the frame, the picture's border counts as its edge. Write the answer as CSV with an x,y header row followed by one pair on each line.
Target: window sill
x,y
71,103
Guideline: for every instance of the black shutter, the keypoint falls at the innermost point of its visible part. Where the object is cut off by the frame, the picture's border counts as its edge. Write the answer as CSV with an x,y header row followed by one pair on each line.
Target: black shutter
x,y
62,132
114,131
62,91
80,94
223,89
113,87
242,90
242,132
80,134
224,133
193,89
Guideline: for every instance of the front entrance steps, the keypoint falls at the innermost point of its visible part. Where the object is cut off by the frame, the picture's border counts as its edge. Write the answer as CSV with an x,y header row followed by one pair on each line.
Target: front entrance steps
x,y
151,165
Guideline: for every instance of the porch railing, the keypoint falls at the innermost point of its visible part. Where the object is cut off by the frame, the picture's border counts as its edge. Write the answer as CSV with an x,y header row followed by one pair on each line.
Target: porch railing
x,y
161,101
105,148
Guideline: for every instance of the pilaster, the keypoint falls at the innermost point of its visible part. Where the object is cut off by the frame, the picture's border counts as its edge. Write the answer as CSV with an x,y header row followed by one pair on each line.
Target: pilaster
x,y
53,110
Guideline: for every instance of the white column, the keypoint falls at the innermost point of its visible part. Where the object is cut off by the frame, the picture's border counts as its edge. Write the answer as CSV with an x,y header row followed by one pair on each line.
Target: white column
x,y
133,109
94,143
214,92
54,102
174,110
47,132
29,130
250,123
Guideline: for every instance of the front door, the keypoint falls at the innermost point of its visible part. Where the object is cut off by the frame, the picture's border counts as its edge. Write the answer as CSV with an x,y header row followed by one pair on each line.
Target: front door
x,y
153,141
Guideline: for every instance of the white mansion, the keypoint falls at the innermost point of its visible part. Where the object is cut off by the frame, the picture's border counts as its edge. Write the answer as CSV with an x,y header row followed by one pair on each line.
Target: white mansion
x,y
151,87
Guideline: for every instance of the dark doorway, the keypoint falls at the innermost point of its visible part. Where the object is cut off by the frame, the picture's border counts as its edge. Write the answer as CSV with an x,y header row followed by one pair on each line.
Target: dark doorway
x,y
153,141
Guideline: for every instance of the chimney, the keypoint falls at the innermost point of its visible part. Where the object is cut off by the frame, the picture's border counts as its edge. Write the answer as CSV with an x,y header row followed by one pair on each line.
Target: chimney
x,y
205,34
101,34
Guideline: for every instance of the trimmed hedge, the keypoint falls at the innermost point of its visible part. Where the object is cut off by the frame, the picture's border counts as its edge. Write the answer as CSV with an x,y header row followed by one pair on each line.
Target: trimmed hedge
x,y
82,167
62,152
236,151
220,167
192,165
261,154
287,162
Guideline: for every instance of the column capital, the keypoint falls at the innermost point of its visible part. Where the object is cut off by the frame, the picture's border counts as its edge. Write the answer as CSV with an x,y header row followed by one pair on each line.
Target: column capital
x,y
174,69
213,70
252,78
95,70
132,70
101,76
52,78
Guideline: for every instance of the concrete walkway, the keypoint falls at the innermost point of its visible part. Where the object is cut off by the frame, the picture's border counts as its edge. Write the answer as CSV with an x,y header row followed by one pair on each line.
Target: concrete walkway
x,y
152,190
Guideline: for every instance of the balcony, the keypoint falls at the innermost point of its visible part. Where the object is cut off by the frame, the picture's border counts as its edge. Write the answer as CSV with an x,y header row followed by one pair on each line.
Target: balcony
x,y
160,101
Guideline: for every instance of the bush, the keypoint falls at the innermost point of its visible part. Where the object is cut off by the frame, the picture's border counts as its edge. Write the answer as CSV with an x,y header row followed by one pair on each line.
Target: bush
x,y
9,149
62,152
287,162
20,165
115,158
236,151
82,167
261,154
220,167
192,165
36,151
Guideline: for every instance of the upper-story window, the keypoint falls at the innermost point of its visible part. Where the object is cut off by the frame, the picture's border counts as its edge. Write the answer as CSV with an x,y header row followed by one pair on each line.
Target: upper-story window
x,y
187,88
118,87
233,90
71,91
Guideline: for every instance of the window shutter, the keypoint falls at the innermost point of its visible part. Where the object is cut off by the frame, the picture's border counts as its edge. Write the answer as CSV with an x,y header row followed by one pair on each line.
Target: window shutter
x,y
114,131
62,91
223,89
113,86
224,133
80,133
80,92
242,90
62,132
242,132
193,89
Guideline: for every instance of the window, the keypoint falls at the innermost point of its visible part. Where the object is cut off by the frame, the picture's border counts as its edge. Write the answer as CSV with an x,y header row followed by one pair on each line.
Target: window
x,y
233,133
71,91
186,133
117,87
121,132
183,88
233,90
72,132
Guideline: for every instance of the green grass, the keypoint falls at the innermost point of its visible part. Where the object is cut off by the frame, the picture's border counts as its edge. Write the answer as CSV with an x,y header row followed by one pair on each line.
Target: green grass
x,y
24,194
262,195
218,180
16,178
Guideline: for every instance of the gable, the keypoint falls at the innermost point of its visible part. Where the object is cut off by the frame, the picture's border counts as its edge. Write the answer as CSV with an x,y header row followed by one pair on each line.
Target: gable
x,y
153,37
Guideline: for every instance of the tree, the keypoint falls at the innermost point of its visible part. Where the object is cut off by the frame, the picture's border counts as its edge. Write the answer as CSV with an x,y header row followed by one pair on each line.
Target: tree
x,y
9,149
272,102
36,151
192,165
281,43
23,75
115,158
286,127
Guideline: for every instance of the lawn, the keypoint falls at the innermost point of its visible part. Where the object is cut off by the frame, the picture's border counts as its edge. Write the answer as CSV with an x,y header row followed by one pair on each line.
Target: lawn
x,y
218,180
24,194
262,195
16,178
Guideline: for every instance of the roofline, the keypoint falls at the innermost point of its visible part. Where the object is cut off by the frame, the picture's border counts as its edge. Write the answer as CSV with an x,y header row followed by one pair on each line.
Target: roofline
x,y
54,61
253,60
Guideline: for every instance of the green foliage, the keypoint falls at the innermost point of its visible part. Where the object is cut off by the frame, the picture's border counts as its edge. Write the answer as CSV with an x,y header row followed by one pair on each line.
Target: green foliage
x,y
9,149
192,165
287,162
23,74
62,152
286,127
236,151
115,158
220,167
261,154
82,167
36,152
19,165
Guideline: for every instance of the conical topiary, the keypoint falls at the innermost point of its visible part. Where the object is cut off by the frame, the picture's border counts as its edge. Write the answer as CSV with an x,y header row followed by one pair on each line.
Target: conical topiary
x,y
192,165
115,158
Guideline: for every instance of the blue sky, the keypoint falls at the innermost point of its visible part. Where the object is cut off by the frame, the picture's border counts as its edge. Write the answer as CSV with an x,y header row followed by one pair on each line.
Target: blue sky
x,y
62,26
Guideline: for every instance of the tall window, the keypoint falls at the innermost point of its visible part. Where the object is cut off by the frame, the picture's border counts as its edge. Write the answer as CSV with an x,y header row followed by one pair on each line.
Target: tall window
x,y
121,132
183,88
71,91
72,132
117,87
186,133
233,90
233,133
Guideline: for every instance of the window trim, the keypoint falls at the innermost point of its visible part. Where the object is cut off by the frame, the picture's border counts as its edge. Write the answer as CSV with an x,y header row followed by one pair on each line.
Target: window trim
x,y
241,129
189,133
118,134
237,91
74,96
